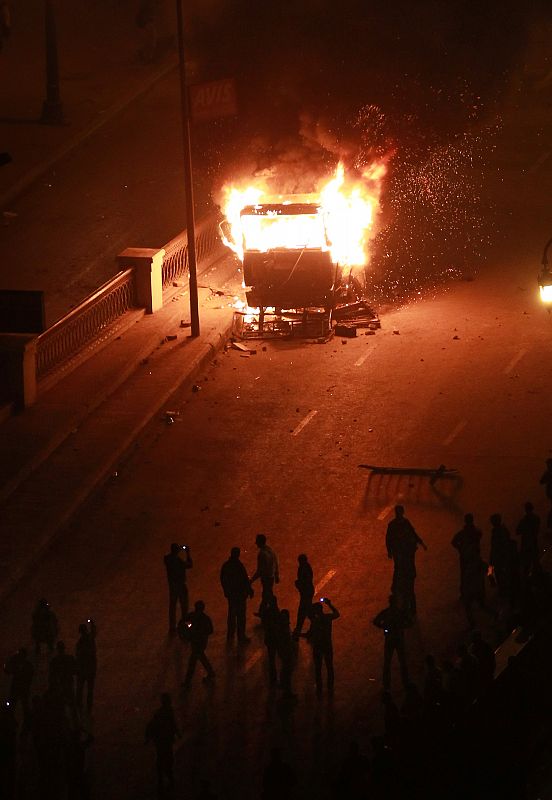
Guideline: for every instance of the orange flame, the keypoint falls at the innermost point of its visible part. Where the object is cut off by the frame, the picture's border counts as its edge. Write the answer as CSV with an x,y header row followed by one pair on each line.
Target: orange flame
x,y
340,218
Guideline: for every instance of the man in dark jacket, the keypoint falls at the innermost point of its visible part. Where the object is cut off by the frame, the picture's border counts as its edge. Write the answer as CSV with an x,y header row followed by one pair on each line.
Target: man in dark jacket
x,y
402,542
237,588
85,655
305,586
176,579
162,729
199,627
392,621
546,481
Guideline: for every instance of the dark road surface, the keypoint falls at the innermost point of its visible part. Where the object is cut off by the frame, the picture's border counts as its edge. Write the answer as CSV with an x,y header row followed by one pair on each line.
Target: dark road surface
x,y
272,443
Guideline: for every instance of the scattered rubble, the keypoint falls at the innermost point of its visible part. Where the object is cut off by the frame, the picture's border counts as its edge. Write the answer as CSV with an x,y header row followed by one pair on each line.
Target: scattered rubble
x,y
345,330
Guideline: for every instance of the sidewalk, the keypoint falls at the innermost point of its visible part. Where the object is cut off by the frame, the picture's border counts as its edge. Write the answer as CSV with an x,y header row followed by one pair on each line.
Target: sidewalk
x,y
100,72
57,452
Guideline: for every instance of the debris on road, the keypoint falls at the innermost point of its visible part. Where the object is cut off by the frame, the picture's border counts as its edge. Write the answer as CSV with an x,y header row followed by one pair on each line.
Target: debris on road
x,y
243,348
433,474
196,388
396,333
184,324
171,337
345,330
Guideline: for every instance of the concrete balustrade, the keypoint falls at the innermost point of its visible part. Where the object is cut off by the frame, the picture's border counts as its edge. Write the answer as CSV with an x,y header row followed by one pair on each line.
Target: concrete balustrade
x,y
148,275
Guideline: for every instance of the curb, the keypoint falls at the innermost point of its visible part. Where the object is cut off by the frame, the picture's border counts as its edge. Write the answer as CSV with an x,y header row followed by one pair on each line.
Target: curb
x,y
11,194
207,351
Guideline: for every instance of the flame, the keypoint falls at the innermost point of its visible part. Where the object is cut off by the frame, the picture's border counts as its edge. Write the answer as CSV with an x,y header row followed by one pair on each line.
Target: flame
x,y
339,217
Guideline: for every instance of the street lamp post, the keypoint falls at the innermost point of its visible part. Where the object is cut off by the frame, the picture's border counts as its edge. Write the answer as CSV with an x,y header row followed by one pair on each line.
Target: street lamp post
x,y
188,180
52,110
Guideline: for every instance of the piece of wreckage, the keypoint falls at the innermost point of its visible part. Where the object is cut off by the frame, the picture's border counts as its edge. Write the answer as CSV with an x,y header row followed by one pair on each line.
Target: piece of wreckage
x,y
293,287
441,472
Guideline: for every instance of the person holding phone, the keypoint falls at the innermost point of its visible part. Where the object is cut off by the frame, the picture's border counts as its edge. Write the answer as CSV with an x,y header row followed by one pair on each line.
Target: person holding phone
x,y
176,579
321,641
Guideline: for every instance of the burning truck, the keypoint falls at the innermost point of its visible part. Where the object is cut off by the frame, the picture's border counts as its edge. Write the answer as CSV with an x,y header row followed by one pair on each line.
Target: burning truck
x,y
303,252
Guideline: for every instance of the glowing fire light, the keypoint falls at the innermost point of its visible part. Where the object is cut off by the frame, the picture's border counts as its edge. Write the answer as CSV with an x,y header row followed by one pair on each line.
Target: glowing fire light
x,y
339,217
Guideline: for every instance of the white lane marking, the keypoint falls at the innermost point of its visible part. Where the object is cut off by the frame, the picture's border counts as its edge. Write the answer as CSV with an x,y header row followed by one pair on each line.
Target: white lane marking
x,y
304,422
514,361
321,583
360,361
252,660
454,433
386,511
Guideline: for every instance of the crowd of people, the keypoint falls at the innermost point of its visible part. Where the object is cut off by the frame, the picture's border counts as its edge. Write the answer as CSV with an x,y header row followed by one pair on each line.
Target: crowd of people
x,y
414,730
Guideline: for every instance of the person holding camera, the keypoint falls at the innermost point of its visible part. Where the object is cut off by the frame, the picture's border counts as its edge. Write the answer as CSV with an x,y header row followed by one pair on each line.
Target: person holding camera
x,y
176,579
237,588
321,641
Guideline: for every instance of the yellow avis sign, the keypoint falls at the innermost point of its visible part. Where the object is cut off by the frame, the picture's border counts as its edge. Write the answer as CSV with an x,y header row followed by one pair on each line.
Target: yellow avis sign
x,y
213,100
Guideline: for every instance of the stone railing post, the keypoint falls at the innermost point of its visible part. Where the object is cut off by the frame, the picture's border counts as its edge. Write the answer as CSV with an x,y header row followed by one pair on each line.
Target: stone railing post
x,y
18,367
148,272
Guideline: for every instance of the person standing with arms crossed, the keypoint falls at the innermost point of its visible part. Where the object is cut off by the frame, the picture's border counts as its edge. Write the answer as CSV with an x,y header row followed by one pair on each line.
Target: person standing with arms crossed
x,y
176,579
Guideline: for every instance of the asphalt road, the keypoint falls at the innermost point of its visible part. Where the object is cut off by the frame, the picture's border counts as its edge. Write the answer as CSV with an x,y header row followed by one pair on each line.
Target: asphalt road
x,y
272,443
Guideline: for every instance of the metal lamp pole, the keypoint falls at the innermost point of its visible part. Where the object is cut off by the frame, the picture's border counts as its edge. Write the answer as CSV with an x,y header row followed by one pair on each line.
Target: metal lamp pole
x,y
52,110
188,181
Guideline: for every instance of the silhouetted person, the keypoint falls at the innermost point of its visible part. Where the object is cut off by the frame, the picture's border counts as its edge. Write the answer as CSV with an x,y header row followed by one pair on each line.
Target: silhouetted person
x,y
49,729
546,481
237,588
200,628
321,641
305,586
270,621
77,743
8,750
278,777
467,667
391,720
176,579
162,730
433,683
62,671
44,629
500,552
85,656
21,671
472,568
392,621
353,777
284,648
486,659
412,706
402,542
528,529
267,571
